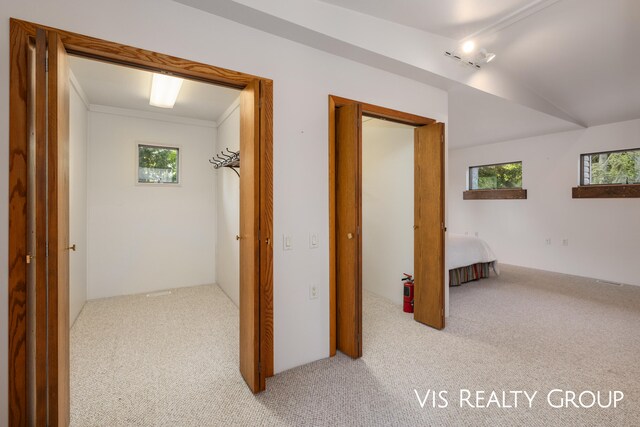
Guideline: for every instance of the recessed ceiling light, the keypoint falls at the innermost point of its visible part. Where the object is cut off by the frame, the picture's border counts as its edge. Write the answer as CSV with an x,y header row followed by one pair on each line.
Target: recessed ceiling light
x,y
164,90
468,46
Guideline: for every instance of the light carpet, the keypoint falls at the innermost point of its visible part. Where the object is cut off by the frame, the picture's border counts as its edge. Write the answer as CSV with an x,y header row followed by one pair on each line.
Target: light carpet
x,y
172,360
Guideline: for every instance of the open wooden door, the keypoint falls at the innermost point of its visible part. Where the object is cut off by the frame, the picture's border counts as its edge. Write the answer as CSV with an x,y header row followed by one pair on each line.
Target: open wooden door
x,y
38,208
37,252
348,153
429,225
249,244
48,253
58,236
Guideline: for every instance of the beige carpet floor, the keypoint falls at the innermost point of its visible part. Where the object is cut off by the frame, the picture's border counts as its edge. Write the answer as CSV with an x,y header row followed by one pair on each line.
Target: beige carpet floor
x,y
172,360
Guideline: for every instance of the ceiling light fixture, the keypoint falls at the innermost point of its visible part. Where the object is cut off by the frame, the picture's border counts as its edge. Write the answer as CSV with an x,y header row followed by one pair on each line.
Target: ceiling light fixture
x,y
468,46
164,90
468,56
487,56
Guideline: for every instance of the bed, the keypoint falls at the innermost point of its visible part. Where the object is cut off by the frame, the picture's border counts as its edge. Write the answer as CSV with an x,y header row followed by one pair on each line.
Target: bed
x,y
469,258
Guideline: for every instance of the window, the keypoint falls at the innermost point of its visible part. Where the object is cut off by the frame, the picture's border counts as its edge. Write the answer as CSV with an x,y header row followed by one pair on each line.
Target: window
x,y
496,177
497,181
158,164
609,174
611,168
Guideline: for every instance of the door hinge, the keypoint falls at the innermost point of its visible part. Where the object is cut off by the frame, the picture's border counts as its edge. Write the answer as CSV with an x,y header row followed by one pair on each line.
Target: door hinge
x,y
443,227
29,257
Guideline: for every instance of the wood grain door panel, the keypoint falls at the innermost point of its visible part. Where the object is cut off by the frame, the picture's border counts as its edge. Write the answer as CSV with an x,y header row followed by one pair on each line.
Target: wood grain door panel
x,y
39,382
58,236
348,237
429,225
249,245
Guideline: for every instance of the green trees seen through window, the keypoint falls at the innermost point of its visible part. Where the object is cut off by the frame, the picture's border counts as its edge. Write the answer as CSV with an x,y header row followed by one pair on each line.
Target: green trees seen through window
x,y
157,164
622,167
494,177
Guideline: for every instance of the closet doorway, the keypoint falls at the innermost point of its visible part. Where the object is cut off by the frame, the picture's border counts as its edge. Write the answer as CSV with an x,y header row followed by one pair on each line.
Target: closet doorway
x,y
345,219
39,212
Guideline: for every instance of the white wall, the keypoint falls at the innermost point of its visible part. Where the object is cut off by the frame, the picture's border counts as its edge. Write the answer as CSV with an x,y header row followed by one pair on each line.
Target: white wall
x,y
603,234
145,238
78,121
303,77
228,208
387,207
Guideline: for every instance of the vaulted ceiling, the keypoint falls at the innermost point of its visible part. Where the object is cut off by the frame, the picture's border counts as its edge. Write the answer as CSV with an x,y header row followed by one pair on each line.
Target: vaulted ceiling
x,y
455,19
560,65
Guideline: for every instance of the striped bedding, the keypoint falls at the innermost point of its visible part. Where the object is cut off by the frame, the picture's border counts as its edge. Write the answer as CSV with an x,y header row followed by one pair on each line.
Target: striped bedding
x,y
469,258
458,276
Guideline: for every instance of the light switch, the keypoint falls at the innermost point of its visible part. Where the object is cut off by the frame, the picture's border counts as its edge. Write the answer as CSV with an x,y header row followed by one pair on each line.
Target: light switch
x,y
287,243
313,240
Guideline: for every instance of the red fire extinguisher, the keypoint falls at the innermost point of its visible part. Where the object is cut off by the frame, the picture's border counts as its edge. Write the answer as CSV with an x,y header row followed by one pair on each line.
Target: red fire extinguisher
x,y
408,293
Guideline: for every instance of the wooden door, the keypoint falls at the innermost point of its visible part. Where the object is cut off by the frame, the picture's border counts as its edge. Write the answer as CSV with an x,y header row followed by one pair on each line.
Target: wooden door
x,y
429,225
58,236
48,211
37,349
249,245
348,238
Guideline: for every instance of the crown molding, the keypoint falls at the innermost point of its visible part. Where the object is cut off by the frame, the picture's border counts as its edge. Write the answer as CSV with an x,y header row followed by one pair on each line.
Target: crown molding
x,y
150,115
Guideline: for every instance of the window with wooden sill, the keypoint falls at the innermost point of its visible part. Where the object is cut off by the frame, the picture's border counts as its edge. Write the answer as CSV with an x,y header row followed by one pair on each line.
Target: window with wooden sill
x,y
495,182
609,174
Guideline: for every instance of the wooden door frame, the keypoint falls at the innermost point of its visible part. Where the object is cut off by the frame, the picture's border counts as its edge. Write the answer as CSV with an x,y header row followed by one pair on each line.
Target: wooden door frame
x,y
21,32
368,110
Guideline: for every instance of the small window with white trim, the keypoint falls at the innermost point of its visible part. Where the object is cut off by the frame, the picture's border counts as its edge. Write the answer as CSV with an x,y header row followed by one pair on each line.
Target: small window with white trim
x,y
158,164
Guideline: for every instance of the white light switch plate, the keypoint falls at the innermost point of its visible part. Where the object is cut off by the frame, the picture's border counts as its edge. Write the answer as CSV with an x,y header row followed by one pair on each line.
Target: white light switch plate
x,y
313,240
287,243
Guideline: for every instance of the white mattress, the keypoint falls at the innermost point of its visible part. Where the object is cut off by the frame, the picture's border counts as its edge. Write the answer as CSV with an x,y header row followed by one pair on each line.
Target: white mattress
x,y
467,250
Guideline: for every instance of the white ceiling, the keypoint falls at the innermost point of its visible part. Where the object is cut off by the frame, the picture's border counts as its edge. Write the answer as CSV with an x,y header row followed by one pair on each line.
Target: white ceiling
x,y
372,122
583,56
560,65
454,19
124,87
477,118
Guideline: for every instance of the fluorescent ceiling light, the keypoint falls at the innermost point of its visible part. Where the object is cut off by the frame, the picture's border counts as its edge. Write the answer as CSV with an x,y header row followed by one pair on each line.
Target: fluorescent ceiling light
x,y
468,46
164,90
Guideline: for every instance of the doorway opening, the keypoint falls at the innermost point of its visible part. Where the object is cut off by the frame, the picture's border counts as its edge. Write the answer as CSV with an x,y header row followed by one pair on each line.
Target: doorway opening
x,y
39,227
154,269
346,219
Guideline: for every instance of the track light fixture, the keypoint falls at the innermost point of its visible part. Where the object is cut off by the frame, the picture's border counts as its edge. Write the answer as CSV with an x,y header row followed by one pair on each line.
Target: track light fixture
x,y
468,55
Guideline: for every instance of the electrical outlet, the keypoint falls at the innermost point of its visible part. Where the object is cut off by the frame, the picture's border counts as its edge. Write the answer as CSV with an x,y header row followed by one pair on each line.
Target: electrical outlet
x,y
565,242
313,291
547,241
